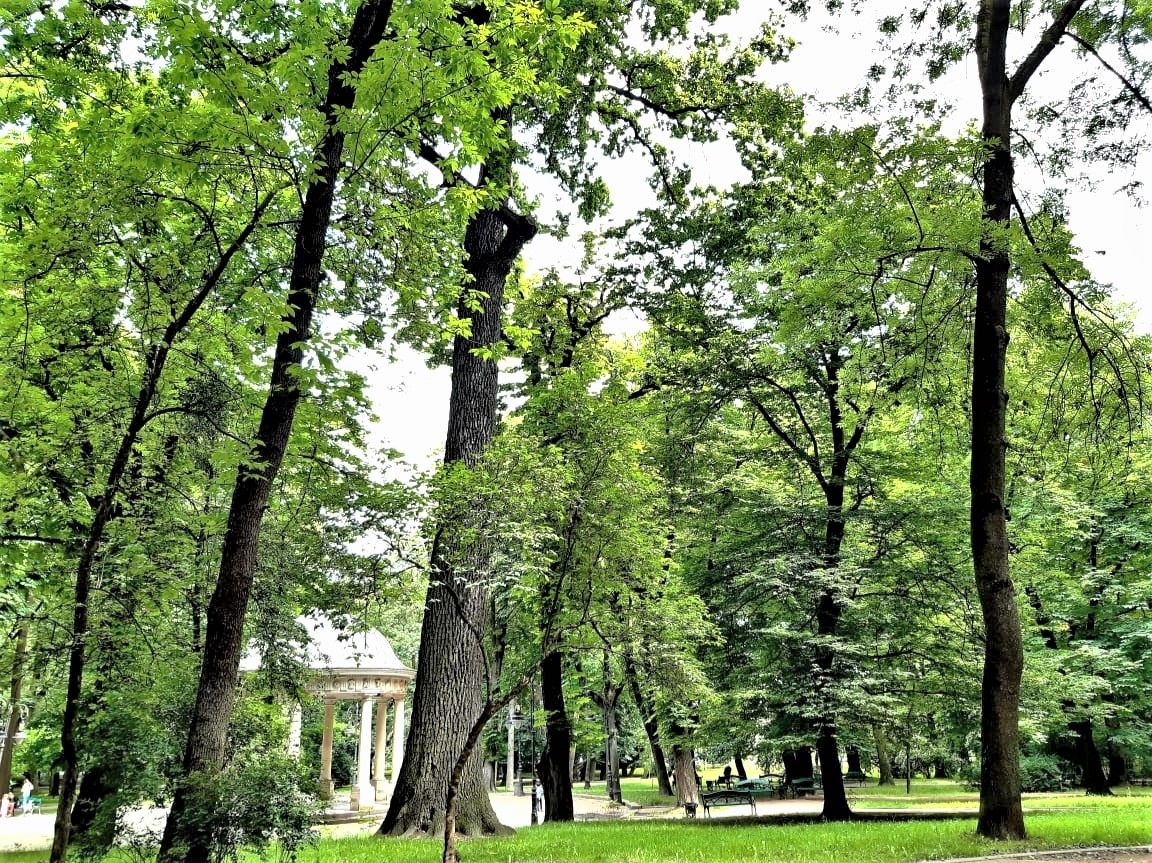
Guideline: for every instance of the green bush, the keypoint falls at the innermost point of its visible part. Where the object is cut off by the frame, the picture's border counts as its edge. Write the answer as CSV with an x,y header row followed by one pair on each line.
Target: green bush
x,y
256,801
1038,773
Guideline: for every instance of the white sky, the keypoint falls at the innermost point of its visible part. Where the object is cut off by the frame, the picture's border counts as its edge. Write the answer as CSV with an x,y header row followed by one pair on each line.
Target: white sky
x,y
412,400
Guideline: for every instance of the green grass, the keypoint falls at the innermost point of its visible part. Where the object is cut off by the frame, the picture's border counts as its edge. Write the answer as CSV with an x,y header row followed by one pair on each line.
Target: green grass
x,y
1124,798
680,842
642,841
634,789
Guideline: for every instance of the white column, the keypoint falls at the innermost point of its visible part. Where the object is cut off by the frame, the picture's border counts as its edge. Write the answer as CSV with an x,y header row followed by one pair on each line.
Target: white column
x,y
398,740
510,769
363,793
326,752
294,723
380,762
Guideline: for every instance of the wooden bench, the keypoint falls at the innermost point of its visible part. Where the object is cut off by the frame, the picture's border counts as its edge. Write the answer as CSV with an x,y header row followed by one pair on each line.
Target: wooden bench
x,y
728,798
856,778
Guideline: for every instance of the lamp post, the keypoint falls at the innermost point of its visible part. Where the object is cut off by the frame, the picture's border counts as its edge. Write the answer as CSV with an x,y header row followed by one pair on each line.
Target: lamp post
x,y
532,739
515,720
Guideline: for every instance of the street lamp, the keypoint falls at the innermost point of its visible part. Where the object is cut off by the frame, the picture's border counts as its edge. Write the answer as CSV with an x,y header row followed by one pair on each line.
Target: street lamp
x,y
515,720
535,804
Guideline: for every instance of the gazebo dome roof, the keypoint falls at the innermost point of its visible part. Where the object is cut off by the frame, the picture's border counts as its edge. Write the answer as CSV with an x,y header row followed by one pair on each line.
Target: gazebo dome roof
x,y
329,649
345,662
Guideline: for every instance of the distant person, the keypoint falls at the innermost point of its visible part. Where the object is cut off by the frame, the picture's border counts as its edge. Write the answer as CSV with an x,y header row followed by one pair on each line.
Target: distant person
x,y
537,800
7,805
26,792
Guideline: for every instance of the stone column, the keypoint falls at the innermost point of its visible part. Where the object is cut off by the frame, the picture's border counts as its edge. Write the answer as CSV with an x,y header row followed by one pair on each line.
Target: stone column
x,y
294,723
397,740
363,793
326,752
380,763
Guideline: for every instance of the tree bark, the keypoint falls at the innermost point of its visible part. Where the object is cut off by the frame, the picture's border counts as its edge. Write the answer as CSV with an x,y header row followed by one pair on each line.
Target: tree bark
x,y
885,763
741,772
18,654
611,740
652,728
1001,815
589,768
1095,782
1117,766
223,641
556,760
684,766
450,681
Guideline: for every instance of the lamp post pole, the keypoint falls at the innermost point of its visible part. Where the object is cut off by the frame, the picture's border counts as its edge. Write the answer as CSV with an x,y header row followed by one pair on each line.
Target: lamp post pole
x,y
535,786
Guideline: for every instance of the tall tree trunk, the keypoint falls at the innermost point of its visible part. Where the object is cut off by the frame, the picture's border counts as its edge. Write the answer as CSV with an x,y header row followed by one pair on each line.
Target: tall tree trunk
x,y
684,767
652,727
886,777
589,769
556,760
611,740
18,654
1001,815
828,607
741,771
1095,782
450,681
853,756
205,749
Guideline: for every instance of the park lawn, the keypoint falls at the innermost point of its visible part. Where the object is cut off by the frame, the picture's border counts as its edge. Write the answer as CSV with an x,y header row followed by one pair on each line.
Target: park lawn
x,y
721,841
1135,798
634,789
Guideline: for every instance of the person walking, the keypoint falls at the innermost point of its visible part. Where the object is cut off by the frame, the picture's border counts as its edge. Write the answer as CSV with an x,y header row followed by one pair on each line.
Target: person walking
x,y
26,792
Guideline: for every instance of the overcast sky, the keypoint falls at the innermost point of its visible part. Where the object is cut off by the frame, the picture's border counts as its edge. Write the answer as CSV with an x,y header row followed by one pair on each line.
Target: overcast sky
x,y
412,400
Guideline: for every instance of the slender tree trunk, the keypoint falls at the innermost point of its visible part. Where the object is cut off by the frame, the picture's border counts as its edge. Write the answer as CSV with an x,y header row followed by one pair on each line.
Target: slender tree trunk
x,y
1001,815
611,743
556,760
652,727
1095,782
18,654
589,768
223,641
741,771
105,512
450,668
885,763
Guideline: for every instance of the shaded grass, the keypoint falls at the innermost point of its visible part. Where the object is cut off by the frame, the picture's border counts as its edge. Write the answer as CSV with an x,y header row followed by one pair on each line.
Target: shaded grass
x,y
1066,800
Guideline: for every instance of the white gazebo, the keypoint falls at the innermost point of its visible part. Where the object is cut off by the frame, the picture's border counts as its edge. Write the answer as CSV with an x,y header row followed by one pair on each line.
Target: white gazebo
x,y
364,667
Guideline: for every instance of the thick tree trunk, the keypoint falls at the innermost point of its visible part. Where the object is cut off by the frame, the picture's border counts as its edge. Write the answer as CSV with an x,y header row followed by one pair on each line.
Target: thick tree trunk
x,y
1001,815
18,654
1095,782
94,790
223,643
741,772
853,756
882,759
684,767
556,760
450,669
1117,766
652,727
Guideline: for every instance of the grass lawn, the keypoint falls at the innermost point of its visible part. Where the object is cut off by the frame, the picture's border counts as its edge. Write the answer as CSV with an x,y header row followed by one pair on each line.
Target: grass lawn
x,y
1133,798
634,789
642,841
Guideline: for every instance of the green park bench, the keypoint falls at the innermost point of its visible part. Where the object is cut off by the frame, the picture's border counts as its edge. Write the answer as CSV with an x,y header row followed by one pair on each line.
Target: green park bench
x,y
856,778
728,798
